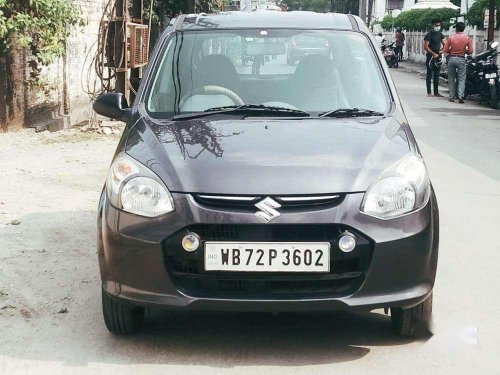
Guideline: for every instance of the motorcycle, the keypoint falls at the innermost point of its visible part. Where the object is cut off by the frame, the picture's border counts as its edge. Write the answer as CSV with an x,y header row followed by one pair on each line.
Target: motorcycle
x,y
390,55
483,76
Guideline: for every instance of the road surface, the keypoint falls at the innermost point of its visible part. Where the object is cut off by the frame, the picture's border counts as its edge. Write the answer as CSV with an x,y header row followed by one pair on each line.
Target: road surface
x,y
50,319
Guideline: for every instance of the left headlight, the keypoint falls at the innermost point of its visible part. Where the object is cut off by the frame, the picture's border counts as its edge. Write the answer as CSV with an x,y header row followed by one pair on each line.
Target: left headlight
x,y
402,188
134,188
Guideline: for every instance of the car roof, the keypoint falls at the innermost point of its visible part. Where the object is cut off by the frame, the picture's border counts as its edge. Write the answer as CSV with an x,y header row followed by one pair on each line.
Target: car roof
x,y
265,19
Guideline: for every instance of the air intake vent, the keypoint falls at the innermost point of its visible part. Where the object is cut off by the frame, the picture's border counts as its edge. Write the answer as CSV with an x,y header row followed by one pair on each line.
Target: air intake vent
x,y
248,202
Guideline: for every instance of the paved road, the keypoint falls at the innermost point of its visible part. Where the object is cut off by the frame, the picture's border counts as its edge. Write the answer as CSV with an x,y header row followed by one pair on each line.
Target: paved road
x,y
461,144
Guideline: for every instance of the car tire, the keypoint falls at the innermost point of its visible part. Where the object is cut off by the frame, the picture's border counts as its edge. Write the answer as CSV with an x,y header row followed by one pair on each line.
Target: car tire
x,y
414,321
121,319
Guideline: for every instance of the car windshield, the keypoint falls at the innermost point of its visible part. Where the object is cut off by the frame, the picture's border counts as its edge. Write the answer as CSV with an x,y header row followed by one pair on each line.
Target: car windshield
x,y
311,71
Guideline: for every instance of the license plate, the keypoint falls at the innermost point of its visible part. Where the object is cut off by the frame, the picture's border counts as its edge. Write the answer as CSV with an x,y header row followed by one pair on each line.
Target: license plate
x,y
267,256
490,75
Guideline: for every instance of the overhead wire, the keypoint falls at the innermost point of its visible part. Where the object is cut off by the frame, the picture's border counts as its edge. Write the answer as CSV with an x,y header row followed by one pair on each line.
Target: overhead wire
x,y
97,77
98,72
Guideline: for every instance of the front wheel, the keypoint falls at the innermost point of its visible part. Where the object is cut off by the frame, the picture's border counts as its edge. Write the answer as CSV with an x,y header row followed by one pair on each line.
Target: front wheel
x,y
121,319
413,321
493,96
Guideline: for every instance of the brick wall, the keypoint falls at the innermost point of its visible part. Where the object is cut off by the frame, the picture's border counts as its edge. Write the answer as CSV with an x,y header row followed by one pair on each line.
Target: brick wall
x,y
65,103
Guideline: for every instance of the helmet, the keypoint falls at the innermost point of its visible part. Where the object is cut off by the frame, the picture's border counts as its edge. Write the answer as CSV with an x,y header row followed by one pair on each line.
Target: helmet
x,y
436,62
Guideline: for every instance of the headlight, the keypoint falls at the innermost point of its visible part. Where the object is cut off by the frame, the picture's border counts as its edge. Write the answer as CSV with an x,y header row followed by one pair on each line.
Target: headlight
x,y
134,188
400,189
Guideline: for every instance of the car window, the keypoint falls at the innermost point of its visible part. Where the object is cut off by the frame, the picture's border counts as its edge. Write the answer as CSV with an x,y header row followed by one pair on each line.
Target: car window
x,y
314,71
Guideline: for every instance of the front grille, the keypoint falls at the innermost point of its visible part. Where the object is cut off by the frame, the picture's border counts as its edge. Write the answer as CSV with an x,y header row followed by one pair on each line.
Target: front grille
x,y
228,202
187,270
217,232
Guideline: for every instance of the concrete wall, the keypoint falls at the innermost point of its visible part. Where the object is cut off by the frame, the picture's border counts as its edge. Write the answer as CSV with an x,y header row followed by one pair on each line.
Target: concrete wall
x,y
63,102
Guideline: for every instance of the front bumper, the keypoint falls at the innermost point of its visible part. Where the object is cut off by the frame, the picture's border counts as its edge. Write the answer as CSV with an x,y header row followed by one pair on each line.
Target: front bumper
x,y
399,266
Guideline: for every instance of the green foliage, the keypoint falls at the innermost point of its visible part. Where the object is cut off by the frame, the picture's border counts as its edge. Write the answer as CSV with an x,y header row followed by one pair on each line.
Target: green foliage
x,y
310,5
475,17
41,25
339,6
387,22
172,8
420,19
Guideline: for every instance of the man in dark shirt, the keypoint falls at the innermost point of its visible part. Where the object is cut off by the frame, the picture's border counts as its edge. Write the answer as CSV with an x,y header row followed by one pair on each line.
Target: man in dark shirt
x,y
433,44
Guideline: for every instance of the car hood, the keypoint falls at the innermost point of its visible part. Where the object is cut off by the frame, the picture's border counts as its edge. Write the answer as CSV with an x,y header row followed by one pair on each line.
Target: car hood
x,y
266,156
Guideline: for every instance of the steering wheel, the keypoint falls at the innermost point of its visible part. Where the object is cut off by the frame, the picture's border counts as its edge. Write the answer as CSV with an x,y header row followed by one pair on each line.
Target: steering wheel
x,y
212,90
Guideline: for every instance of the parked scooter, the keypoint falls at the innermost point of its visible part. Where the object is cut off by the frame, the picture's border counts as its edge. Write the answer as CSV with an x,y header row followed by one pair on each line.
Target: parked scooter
x,y
483,76
390,55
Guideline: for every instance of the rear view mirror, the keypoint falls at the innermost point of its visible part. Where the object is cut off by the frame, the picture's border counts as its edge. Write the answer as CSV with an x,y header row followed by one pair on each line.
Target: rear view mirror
x,y
265,48
112,105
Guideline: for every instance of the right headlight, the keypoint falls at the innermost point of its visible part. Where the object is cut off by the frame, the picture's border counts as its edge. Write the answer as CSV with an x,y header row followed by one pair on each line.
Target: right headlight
x,y
402,188
134,188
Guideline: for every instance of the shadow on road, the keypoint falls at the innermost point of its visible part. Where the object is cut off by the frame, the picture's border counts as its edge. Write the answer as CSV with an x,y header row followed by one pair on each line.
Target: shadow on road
x,y
52,263
466,111
249,339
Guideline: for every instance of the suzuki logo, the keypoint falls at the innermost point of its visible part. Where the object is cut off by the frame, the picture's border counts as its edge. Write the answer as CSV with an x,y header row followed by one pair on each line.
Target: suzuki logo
x,y
267,209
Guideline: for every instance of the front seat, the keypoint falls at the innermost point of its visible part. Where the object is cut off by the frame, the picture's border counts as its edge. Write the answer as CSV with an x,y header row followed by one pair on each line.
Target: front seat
x,y
217,70
317,85
213,70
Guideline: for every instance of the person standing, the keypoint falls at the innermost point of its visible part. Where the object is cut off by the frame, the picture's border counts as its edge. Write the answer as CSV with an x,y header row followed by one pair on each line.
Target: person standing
x,y
433,42
400,42
456,47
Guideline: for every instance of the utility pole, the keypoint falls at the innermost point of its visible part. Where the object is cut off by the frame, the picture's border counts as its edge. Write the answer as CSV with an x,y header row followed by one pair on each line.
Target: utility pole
x,y
120,58
130,46
189,6
491,21
136,73
362,9
370,13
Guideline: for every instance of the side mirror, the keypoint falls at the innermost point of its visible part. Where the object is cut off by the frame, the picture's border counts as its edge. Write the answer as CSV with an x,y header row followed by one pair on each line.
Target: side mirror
x,y
113,105
494,45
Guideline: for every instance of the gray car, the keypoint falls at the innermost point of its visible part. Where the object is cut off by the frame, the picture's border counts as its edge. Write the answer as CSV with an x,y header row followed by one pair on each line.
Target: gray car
x,y
293,188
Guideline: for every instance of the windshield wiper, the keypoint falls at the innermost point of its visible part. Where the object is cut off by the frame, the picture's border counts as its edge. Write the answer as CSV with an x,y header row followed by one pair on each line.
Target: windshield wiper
x,y
351,112
246,110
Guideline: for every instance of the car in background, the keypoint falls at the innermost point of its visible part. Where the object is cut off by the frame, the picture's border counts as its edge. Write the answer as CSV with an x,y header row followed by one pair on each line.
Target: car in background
x,y
303,45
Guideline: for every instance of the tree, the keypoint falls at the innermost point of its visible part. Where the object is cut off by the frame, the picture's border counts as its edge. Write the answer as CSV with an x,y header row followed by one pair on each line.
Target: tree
x,y
337,6
345,6
171,8
310,5
40,25
420,19
475,17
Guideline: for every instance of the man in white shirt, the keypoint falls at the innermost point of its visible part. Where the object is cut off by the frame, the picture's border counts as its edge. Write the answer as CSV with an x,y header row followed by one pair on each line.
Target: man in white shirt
x,y
380,38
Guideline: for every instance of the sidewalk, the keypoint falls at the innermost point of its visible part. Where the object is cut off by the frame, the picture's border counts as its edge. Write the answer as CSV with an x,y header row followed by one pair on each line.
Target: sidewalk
x,y
420,69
